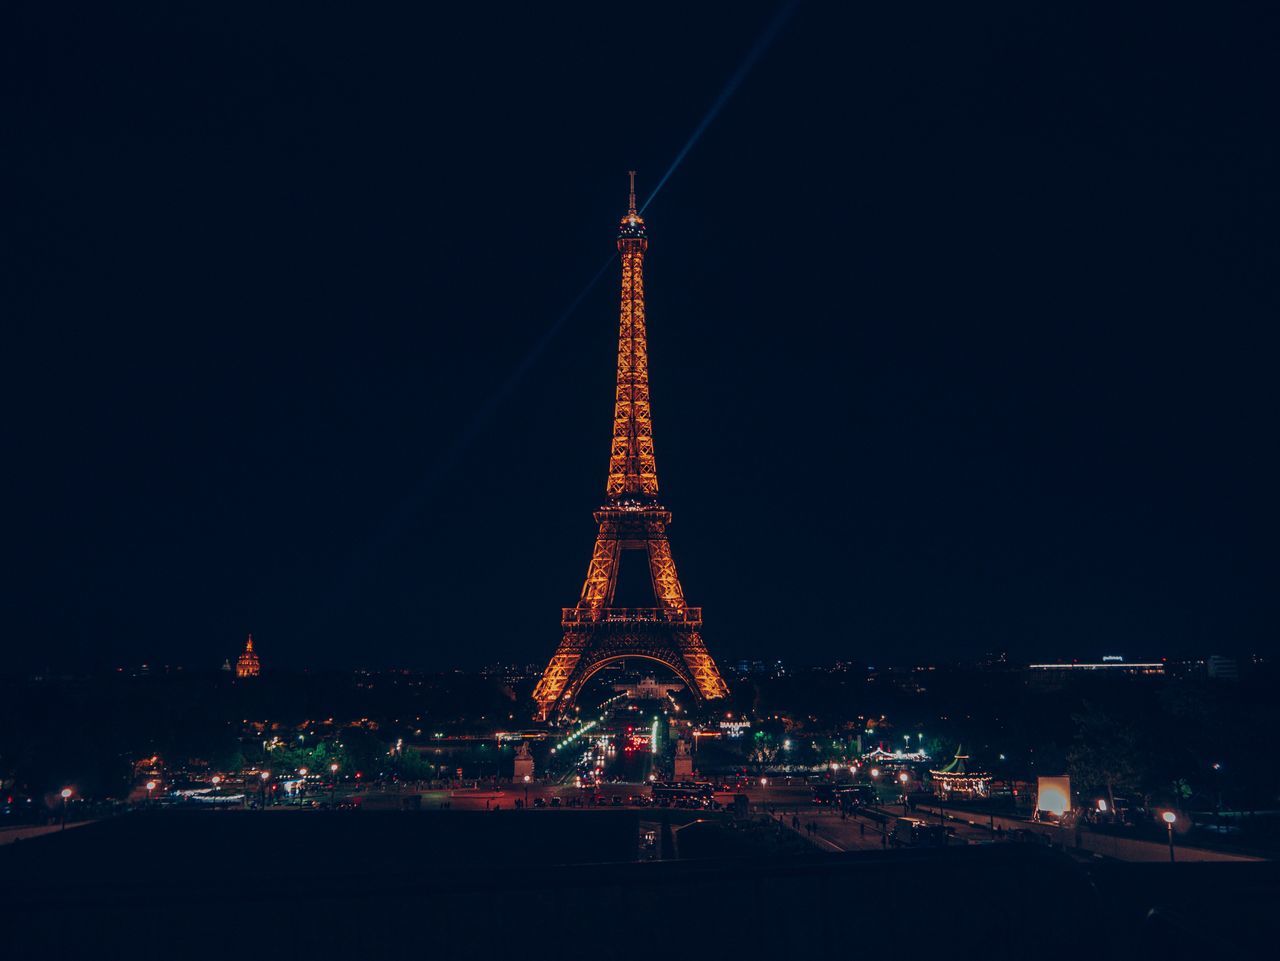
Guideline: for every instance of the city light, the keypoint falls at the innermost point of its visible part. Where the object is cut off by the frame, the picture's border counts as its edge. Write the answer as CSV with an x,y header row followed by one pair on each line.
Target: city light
x,y
1054,795
1169,817
65,793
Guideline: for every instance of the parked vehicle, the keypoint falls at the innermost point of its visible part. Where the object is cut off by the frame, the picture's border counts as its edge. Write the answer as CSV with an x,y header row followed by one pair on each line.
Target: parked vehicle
x,y
912,832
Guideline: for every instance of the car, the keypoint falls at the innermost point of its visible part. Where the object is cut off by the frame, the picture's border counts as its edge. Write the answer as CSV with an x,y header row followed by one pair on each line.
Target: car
x,y
912,832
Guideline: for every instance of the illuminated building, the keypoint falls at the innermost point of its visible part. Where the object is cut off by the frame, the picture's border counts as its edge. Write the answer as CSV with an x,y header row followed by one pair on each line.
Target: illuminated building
x,y
1111,664
647,688
631,520
955,780
247,665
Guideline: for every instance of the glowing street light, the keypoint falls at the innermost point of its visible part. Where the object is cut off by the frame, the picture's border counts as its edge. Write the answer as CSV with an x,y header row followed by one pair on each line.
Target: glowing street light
x,y
333,783
875,772
527,779
151,786
902,779
65,794
1169,818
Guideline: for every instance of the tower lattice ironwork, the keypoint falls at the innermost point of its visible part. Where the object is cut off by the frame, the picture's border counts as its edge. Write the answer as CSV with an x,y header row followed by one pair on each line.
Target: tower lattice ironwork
x,y
631,520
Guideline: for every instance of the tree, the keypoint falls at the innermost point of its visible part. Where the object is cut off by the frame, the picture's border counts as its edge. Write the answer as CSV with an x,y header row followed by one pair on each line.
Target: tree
x,y
762,750
1105,754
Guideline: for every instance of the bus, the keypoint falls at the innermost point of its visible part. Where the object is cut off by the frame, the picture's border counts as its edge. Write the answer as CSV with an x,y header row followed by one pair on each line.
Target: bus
x,y
697,792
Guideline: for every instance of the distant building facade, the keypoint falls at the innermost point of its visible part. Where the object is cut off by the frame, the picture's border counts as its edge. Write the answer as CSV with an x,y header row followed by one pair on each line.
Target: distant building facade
x,y
1110,664
648,688
1224,668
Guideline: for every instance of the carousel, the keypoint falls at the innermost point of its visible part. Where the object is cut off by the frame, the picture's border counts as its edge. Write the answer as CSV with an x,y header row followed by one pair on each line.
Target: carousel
x,y
957,780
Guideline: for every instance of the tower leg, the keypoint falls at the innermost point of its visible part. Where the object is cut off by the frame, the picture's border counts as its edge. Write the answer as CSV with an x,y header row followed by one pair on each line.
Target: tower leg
x,y
556,677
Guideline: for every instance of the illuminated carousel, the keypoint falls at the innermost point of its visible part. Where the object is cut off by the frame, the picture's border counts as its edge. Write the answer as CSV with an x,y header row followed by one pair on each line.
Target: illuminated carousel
x,y
957,781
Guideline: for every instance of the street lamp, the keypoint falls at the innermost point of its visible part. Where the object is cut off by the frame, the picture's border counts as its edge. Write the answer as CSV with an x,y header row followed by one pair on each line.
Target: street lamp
x,y
527,779
262,788
65,795
1169,818
151,786
902,779
333,783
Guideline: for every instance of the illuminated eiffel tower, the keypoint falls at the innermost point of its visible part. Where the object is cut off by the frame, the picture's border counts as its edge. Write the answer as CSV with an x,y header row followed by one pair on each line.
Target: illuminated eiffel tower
x,y
631,520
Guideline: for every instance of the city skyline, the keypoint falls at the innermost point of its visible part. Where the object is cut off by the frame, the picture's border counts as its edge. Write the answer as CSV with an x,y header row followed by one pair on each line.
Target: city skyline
x,y
983,351
344,339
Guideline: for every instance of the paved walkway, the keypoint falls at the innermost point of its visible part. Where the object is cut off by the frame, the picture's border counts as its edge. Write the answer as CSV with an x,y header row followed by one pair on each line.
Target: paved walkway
x,y
832,833
9,835
1093,842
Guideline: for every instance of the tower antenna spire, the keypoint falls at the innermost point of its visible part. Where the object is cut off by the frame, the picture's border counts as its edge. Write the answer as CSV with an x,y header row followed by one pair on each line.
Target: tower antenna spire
x,y
632,208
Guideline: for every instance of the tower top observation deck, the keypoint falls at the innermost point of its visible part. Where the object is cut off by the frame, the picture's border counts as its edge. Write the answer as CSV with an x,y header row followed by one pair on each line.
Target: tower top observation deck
x,y
632,225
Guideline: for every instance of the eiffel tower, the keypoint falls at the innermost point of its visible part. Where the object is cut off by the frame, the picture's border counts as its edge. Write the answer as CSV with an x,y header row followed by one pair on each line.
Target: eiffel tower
x,y
631,520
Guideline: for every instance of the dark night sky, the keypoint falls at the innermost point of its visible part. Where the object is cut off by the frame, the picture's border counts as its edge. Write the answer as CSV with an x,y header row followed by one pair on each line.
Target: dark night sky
x,y
962,327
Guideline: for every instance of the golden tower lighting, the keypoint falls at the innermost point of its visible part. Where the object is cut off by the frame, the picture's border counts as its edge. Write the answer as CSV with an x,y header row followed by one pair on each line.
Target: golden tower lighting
x,y
631,520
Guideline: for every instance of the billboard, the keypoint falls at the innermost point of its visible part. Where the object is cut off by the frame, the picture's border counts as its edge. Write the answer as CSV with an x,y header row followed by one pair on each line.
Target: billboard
x,y
1053,795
